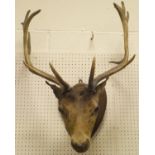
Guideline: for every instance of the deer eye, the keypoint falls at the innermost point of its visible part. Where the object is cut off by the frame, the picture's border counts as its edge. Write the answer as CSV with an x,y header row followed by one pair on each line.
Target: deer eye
x,y
95,111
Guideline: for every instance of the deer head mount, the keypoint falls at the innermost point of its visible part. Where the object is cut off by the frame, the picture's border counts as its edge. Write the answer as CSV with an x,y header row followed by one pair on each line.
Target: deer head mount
x,y
83,105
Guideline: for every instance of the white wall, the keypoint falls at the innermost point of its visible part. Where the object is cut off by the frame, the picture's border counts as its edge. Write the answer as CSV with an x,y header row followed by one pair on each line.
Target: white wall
x,y
96,15
66,24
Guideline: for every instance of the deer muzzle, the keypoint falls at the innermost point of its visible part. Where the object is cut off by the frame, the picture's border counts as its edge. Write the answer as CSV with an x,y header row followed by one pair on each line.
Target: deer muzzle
x,y
80,147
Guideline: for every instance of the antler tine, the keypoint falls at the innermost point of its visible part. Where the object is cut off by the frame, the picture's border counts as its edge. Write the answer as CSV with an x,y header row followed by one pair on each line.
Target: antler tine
x,y
124,16
57,75
27,51
91,76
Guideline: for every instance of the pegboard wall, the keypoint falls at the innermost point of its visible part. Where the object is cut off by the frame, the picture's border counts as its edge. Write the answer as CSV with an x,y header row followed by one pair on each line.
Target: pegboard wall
x,y
39,128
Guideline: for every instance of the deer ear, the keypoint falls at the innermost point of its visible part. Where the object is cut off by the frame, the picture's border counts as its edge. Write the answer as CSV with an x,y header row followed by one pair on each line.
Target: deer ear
x,y
101,86
56,90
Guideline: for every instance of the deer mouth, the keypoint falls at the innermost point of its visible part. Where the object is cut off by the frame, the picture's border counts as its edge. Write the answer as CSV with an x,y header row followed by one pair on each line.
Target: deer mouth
x,y
82,147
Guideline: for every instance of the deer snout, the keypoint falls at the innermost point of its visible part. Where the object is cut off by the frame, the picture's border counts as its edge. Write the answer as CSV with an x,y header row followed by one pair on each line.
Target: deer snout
x,y
80,147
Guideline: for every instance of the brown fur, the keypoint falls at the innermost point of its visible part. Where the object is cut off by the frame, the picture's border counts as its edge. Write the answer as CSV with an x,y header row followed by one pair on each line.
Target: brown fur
x,y
82,110
102,107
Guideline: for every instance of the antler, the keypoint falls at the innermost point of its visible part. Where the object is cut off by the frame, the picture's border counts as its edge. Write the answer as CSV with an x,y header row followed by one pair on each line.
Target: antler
x,y
27,51
124,16
91,76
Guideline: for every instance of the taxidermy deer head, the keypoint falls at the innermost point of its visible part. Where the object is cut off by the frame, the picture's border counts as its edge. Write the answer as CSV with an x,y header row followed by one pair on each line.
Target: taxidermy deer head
x,y
83,105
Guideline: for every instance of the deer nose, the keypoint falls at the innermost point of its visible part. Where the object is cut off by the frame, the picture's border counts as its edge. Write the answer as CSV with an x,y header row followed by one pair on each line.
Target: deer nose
x,y
81,147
